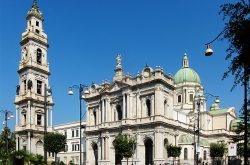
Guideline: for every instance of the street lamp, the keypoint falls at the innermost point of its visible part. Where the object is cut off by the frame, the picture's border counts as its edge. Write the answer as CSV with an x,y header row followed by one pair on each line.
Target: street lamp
x,y
47,92
197,149
7,116
82,95
209,52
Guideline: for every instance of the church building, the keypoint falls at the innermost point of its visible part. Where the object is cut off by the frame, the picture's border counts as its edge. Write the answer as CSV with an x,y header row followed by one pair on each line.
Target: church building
x,y
33,100
158,110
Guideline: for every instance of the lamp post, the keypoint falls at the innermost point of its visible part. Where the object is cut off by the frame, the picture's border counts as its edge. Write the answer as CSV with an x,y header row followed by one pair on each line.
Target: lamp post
x,y
197,148
47,92
7,116
82,94
209,52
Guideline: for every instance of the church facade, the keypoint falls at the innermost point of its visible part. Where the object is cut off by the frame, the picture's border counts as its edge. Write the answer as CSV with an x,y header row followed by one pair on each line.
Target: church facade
x,y
33,101
157,110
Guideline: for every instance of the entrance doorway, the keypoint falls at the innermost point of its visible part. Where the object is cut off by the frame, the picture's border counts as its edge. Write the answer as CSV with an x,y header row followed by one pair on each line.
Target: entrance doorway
x,y
148,152
95,149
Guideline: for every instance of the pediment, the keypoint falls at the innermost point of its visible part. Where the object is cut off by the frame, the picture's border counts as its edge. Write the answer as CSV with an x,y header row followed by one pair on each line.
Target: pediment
x,y
105,89
115,100
115,86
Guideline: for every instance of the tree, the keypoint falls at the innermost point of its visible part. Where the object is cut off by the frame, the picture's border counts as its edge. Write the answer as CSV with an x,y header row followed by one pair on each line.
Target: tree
x,y
124,145
173,151
7,143
238,128
236,31
36,159
217,150
54,142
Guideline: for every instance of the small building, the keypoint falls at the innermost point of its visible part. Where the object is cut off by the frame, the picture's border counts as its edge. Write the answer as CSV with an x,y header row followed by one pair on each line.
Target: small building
x,y
72,148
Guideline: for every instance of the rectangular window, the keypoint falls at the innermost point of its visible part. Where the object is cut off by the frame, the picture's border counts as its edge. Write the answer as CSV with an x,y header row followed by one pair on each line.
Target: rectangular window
x,y
73,133
77,133
191,97
65,134
24,119
24,148
39,87
66,148
77,147
73,147
179,99
24,85
37,31
39,119
37,23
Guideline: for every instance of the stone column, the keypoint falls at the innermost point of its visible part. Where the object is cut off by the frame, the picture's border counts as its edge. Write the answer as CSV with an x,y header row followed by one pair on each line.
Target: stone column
x,y
123,107
159,104
29,143
152,105
158,147
17,116
108,111
107,148
138,106
100,149
29,113
50,118
103,110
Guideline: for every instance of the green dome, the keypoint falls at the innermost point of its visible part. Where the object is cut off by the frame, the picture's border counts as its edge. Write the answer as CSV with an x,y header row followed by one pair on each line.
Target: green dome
x,y
186,75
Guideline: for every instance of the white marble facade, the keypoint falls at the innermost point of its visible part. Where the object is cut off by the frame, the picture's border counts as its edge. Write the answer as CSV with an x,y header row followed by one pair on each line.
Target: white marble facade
x,y
158,110
34,75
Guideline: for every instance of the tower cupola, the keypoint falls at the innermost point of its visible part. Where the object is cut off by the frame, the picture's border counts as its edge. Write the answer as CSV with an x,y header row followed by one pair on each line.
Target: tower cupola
x,y
185,61
34,11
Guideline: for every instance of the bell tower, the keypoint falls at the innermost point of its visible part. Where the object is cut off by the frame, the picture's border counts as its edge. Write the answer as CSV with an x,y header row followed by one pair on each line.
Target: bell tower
x,y
33,101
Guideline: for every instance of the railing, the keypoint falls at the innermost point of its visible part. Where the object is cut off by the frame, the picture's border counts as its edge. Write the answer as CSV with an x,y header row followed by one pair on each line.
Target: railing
x,y
31,34
32,95
30,62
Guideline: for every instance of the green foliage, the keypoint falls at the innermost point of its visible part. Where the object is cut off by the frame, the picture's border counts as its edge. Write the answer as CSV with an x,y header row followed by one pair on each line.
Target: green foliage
x,y
54,142
36,159
60,163
21,154
124,145
240,149
6,136
217,150
71,163
236,31
173,151
239,130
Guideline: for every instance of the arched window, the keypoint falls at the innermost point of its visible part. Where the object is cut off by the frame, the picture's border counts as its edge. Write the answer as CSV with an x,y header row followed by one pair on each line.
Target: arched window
x,y
119,112
205,155
39,56
148,104
185,153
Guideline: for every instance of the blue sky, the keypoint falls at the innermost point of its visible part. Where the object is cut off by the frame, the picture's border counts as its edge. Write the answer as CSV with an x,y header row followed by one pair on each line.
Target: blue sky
x,y
86,35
